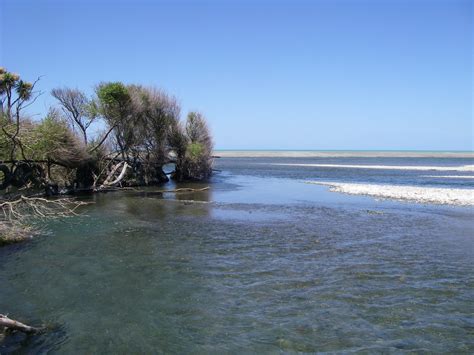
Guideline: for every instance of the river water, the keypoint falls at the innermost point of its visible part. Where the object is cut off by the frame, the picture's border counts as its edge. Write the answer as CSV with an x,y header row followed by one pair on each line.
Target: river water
x,y
261,262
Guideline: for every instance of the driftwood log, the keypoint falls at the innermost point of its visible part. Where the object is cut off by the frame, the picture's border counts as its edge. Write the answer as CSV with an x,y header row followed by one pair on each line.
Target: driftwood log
x,y
15,325
108,183
182,189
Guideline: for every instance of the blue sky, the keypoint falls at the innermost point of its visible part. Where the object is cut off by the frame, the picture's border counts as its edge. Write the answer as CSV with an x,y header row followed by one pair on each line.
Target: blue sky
x,y
268,74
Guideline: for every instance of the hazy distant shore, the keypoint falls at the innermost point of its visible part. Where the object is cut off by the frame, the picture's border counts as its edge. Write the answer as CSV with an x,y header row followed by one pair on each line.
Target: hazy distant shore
x,y
340,153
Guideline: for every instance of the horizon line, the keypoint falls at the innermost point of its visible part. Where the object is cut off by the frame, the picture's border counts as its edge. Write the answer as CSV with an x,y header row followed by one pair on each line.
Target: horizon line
x,y
344,150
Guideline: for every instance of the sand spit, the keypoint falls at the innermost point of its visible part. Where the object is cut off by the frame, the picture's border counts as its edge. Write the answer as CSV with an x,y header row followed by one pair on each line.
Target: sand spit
x,y
337,154
431,195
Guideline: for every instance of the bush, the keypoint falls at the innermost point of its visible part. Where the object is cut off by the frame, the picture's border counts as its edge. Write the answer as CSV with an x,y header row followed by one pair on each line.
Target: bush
x,y
53,140
194,152
195,161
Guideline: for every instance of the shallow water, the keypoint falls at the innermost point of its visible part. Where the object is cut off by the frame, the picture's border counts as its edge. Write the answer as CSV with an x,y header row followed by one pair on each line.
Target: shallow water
x,y
261,262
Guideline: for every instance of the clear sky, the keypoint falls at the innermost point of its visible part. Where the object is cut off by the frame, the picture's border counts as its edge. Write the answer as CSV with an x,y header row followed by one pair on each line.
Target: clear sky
x,y
276,74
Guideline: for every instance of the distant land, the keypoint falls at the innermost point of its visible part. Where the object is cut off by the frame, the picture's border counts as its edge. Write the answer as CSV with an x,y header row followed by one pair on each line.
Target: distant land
x,y
252,153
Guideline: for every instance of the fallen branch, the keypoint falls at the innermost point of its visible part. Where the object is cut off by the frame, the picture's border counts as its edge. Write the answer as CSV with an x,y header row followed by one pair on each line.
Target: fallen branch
x,y
186,202
97,177
25,207
121,176
111,173
15,325
183,189
107,183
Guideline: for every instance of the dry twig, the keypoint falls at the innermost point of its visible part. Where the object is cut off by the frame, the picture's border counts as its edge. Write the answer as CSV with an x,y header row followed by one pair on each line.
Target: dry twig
x,y
39,207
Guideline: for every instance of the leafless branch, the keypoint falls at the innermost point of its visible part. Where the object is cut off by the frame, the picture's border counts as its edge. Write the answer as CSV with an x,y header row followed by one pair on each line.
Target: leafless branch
x,y
38,207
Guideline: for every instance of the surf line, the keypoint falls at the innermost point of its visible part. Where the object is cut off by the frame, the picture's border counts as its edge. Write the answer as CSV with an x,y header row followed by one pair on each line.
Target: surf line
x,y
381,167
432,195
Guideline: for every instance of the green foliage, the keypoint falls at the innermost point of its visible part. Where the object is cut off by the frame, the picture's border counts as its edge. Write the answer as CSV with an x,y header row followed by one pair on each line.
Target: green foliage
x,y
111,93
194,151
113,97
14,94
11,82
50,135
5,142
115,106
195,162
142,124
23,89
52,139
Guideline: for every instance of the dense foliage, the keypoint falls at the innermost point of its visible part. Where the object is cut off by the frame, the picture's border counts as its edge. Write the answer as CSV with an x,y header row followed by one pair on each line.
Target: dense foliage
x,y
129,131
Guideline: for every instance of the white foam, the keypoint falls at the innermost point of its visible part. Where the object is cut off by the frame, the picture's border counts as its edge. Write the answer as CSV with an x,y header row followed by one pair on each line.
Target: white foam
x,y
460,197
384,167
450,176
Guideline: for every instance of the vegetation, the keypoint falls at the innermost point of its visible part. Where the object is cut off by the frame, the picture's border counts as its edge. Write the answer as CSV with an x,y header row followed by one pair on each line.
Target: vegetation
x,y
194,147
140,132
77,108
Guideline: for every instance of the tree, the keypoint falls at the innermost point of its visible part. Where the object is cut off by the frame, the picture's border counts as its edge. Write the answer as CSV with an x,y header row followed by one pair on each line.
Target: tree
x,y
143,128
114,104
141,119
22,140
193,148
15,95
55,142
77,107
154,113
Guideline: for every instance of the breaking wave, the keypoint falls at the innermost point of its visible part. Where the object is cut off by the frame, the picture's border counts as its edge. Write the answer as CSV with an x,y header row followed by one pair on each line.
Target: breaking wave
x,y
450,176
385,167
432,195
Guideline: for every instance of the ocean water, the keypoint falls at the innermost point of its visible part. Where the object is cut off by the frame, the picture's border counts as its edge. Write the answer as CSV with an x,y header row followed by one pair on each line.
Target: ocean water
x,y
283,253
440,178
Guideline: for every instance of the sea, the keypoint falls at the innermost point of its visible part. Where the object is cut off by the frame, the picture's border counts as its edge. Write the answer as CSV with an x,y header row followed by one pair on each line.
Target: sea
x,y
279,252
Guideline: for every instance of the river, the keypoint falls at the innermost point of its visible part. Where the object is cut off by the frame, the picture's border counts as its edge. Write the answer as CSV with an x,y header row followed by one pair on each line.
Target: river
x,y
263,261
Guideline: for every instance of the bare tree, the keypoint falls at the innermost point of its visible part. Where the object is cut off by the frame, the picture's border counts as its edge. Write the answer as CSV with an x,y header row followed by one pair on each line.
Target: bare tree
x,y
77,108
